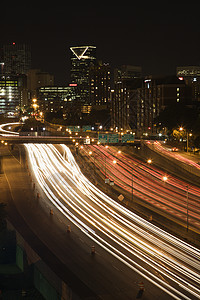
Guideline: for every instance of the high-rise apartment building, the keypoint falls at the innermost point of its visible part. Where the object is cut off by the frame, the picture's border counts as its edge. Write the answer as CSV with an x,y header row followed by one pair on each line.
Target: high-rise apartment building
x,y
127,79
16,58
81,59
100,84
154,95
137,102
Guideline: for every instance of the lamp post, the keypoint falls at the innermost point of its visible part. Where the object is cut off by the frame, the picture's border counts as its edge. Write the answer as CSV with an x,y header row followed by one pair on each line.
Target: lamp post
x,y
187,137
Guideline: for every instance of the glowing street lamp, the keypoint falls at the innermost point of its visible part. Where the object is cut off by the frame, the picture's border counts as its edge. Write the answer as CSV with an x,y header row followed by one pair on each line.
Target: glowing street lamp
x,y
165,178
187,137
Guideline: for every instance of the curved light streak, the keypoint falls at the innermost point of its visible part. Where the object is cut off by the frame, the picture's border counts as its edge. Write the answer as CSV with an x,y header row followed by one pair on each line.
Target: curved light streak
x,y
112,226
145,182
4,132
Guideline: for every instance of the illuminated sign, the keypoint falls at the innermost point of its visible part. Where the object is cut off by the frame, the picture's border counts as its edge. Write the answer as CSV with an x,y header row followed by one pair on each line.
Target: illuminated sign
x,y
128,138
73,84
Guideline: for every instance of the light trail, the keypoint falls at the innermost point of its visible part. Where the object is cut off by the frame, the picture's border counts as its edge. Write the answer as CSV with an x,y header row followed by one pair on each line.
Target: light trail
x,y
122,233
157,146
4,132
145,182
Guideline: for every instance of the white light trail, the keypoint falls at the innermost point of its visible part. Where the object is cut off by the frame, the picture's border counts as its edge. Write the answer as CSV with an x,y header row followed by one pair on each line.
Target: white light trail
x,y
114,227
4,132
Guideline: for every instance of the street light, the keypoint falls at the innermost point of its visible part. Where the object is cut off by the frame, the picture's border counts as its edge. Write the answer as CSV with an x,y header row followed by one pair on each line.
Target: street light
x,y
187,137
165,178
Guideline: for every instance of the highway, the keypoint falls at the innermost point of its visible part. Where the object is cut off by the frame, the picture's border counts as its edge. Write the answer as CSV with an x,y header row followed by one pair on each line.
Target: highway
x,y
157,146
166,261
175,197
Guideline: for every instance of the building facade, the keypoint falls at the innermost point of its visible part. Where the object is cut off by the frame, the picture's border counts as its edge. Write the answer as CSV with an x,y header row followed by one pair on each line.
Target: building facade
x,y
16,58
81,59
55,98
191,76
137,102
154,95
127,79
9,94
100,84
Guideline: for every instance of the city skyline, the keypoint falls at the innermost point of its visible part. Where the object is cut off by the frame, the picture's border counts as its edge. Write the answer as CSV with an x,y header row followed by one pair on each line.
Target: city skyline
x,y
157,39
100,151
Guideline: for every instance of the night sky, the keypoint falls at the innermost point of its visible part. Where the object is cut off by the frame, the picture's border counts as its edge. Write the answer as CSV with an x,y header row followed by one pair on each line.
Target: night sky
x,y
157,36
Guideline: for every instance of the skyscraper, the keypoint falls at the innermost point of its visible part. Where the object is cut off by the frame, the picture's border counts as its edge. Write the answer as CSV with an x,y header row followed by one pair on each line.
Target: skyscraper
x,y
127,79
81,59
16,58
100,84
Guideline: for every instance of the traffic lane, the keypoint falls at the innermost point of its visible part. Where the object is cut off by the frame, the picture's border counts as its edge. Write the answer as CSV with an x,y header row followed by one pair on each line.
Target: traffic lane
x,y
64,253
98,206
16,217
174,184
165,204
47,164
102,275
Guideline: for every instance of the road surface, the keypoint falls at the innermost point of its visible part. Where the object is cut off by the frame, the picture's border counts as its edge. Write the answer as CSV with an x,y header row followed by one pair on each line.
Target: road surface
x,y
175,197
168,263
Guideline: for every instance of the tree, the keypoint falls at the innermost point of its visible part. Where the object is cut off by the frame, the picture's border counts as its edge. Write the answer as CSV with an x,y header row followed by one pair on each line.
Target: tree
x,y
178,115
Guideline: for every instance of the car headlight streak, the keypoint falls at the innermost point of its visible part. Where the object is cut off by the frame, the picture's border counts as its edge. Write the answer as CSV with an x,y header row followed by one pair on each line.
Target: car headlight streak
x,y
111,225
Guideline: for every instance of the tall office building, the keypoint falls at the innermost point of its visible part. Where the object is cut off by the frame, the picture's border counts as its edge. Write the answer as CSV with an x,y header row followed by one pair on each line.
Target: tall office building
x,y
100,84
81,59
16,58
154,95
127,79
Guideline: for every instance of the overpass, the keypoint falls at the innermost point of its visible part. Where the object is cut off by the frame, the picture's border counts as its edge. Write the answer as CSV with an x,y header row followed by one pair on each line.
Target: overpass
x,y
16,139
13,137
